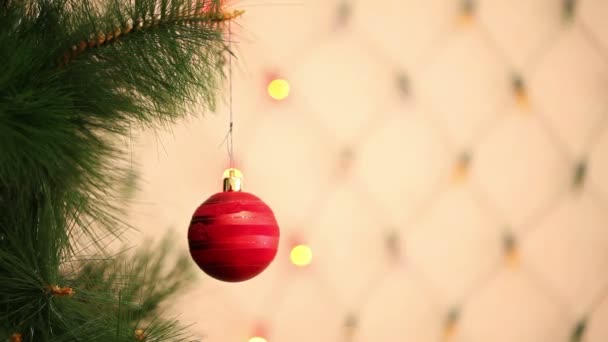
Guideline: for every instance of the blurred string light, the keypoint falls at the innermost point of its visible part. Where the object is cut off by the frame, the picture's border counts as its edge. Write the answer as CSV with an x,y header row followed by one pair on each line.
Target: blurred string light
x,y
568,9
278,89
301,255
510,249
345,160
403,84
392,245
450,324
519,91
579,331
259,333
343,14
257,339
467,12
460,171
579,176
350,326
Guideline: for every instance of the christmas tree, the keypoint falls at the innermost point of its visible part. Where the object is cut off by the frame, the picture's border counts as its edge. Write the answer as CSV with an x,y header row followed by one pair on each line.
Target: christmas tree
x,y
76,76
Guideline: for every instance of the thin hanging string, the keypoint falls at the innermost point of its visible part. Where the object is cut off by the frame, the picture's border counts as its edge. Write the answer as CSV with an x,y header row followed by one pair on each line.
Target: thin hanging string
x,y
230,141
131,146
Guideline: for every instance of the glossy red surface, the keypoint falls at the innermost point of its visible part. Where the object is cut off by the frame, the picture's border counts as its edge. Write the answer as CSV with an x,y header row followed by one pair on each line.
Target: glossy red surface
x,y
233,236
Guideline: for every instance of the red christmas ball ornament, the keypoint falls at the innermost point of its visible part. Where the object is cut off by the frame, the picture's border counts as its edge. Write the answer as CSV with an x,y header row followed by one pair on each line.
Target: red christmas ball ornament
x,y
233,235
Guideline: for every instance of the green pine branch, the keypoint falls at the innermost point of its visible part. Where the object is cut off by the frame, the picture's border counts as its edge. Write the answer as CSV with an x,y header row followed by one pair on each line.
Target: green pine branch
x,y
76,76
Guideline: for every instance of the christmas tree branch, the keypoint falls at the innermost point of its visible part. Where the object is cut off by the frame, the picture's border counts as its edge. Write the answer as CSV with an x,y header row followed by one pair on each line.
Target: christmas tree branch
x,y
62,162
143,24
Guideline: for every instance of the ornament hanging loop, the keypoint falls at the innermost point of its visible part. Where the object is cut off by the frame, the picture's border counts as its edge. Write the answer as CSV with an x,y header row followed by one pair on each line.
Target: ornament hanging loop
x,y
233,180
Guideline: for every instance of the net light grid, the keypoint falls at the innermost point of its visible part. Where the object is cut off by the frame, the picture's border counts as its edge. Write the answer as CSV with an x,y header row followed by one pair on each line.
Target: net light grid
x,y
464,152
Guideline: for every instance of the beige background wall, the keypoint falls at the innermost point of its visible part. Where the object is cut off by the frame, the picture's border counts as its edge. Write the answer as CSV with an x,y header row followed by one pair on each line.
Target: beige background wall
x,y
424,178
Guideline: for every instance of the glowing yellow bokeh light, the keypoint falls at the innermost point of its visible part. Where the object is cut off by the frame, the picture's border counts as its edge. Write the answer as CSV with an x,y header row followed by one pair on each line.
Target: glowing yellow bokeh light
x,y
257,339
301,255
278,89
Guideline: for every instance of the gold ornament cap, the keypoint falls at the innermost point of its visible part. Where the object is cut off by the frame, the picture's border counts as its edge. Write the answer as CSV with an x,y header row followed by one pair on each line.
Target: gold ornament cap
x,y
233,180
